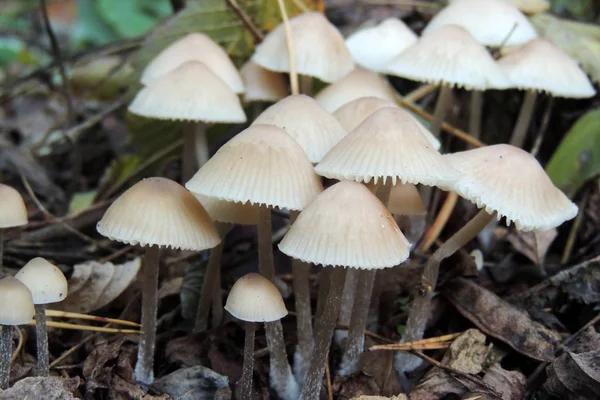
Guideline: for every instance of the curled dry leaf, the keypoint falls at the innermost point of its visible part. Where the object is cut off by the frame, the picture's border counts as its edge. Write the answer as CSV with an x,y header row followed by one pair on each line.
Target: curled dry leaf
x,y
533,245
501,320
199,382
47,388
575,376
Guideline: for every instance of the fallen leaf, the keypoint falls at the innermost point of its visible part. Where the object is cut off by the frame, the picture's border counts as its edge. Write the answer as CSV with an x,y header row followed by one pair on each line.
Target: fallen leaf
x,y
47,388
533,245
468,352
122,277
511,384
381,368
575,376
399,397
198,382
98,366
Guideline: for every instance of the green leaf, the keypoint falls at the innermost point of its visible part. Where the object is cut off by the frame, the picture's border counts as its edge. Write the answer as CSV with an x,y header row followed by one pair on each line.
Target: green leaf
x,y
125,18
577,158
81,201
91,29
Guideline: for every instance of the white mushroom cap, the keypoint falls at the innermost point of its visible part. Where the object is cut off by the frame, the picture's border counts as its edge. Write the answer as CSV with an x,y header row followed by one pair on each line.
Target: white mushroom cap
x,y
346,226
13,211
254,298
46,282
16,303
262,84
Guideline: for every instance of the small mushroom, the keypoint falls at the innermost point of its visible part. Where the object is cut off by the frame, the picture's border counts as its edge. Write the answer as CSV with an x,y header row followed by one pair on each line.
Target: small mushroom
x,y
12,213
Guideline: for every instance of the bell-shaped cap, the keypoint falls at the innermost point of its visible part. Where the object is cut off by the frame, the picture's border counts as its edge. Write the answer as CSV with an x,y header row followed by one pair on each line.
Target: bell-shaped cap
x,y
387,145
194,47
490,22
160,212
13,211
254,298
261,165
190,92
373,48
541,66
262,84
319,49
46,282
16,303
450,56
229,212
346,226
315,130
510,181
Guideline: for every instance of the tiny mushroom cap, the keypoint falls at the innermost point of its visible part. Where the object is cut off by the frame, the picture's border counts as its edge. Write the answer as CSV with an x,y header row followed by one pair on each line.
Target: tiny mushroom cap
x,y
254,298
510,181
319,49
346,226
262,84
261,165
355,112
358,83
406,200
46,282
315,130
229,212
374,47
388,144
541,66
450,56
159,211
190,92
16,303
491,22
194,47
13,211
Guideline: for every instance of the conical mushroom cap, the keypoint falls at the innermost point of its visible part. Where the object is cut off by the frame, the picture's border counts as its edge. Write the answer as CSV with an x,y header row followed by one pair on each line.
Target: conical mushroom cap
x,y
315,130
261,165
190,92
511,182
490,22
450,56
406,200
13,211
346,226
46,282
319,49
543,67
16,303
262,84
229,212
355,112
158,211
254,298
387,145
194,47
374,47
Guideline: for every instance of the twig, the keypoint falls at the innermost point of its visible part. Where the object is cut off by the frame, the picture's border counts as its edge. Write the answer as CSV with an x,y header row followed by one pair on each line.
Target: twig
x,y
301,6
574,229
257,35
402,3
444,341
72,350
64,325
66,314
440,221
290,47
19,345
328,380
420,92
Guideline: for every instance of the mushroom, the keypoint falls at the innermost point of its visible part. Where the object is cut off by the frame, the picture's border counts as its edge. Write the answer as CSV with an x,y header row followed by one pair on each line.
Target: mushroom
x,y
252,299
156,212
262,84
12,213
16,308
47,285
345,226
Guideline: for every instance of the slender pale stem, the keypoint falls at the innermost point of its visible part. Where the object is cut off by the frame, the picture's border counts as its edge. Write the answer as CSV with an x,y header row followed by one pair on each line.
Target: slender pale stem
x,y
5,354
441,108
1,253
144,368
475,113
347,302
289,39
325,326
306,83
201,150
265,243
188,155
522,126
324,281
217,303
41,335
245,389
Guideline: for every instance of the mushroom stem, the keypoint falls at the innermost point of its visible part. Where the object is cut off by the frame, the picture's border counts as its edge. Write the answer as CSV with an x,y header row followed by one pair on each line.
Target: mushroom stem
x,y
522,126
441,107
41,335
324,281
419,310
1,253
144,368
475,113
217,303
347,302
265,243
245,388
306,84
188,155
5,354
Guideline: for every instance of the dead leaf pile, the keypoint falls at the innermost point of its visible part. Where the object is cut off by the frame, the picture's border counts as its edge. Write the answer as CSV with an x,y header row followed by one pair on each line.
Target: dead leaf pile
x,y
47,388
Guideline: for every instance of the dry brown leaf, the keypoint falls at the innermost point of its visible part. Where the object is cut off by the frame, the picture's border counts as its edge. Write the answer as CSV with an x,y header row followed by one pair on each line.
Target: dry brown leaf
x,y
575,376
533,245
47,388
468,352
200,382
399,397
81,274
122,277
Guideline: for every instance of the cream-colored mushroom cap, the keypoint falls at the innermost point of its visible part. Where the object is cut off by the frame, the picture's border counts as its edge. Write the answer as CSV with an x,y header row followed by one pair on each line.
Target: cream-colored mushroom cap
x,y
194,47
190,92
387,145
319,49
315,130
450,56
531,6
358,83
13,211
262,84
406,200
355,112
489,21
46,282
511,182
374,47
254,298
261,165
158,211
346,226
229,212
543,67
16,303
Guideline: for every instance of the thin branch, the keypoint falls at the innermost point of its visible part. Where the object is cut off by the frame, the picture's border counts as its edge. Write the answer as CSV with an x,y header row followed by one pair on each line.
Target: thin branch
x,y
254,31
